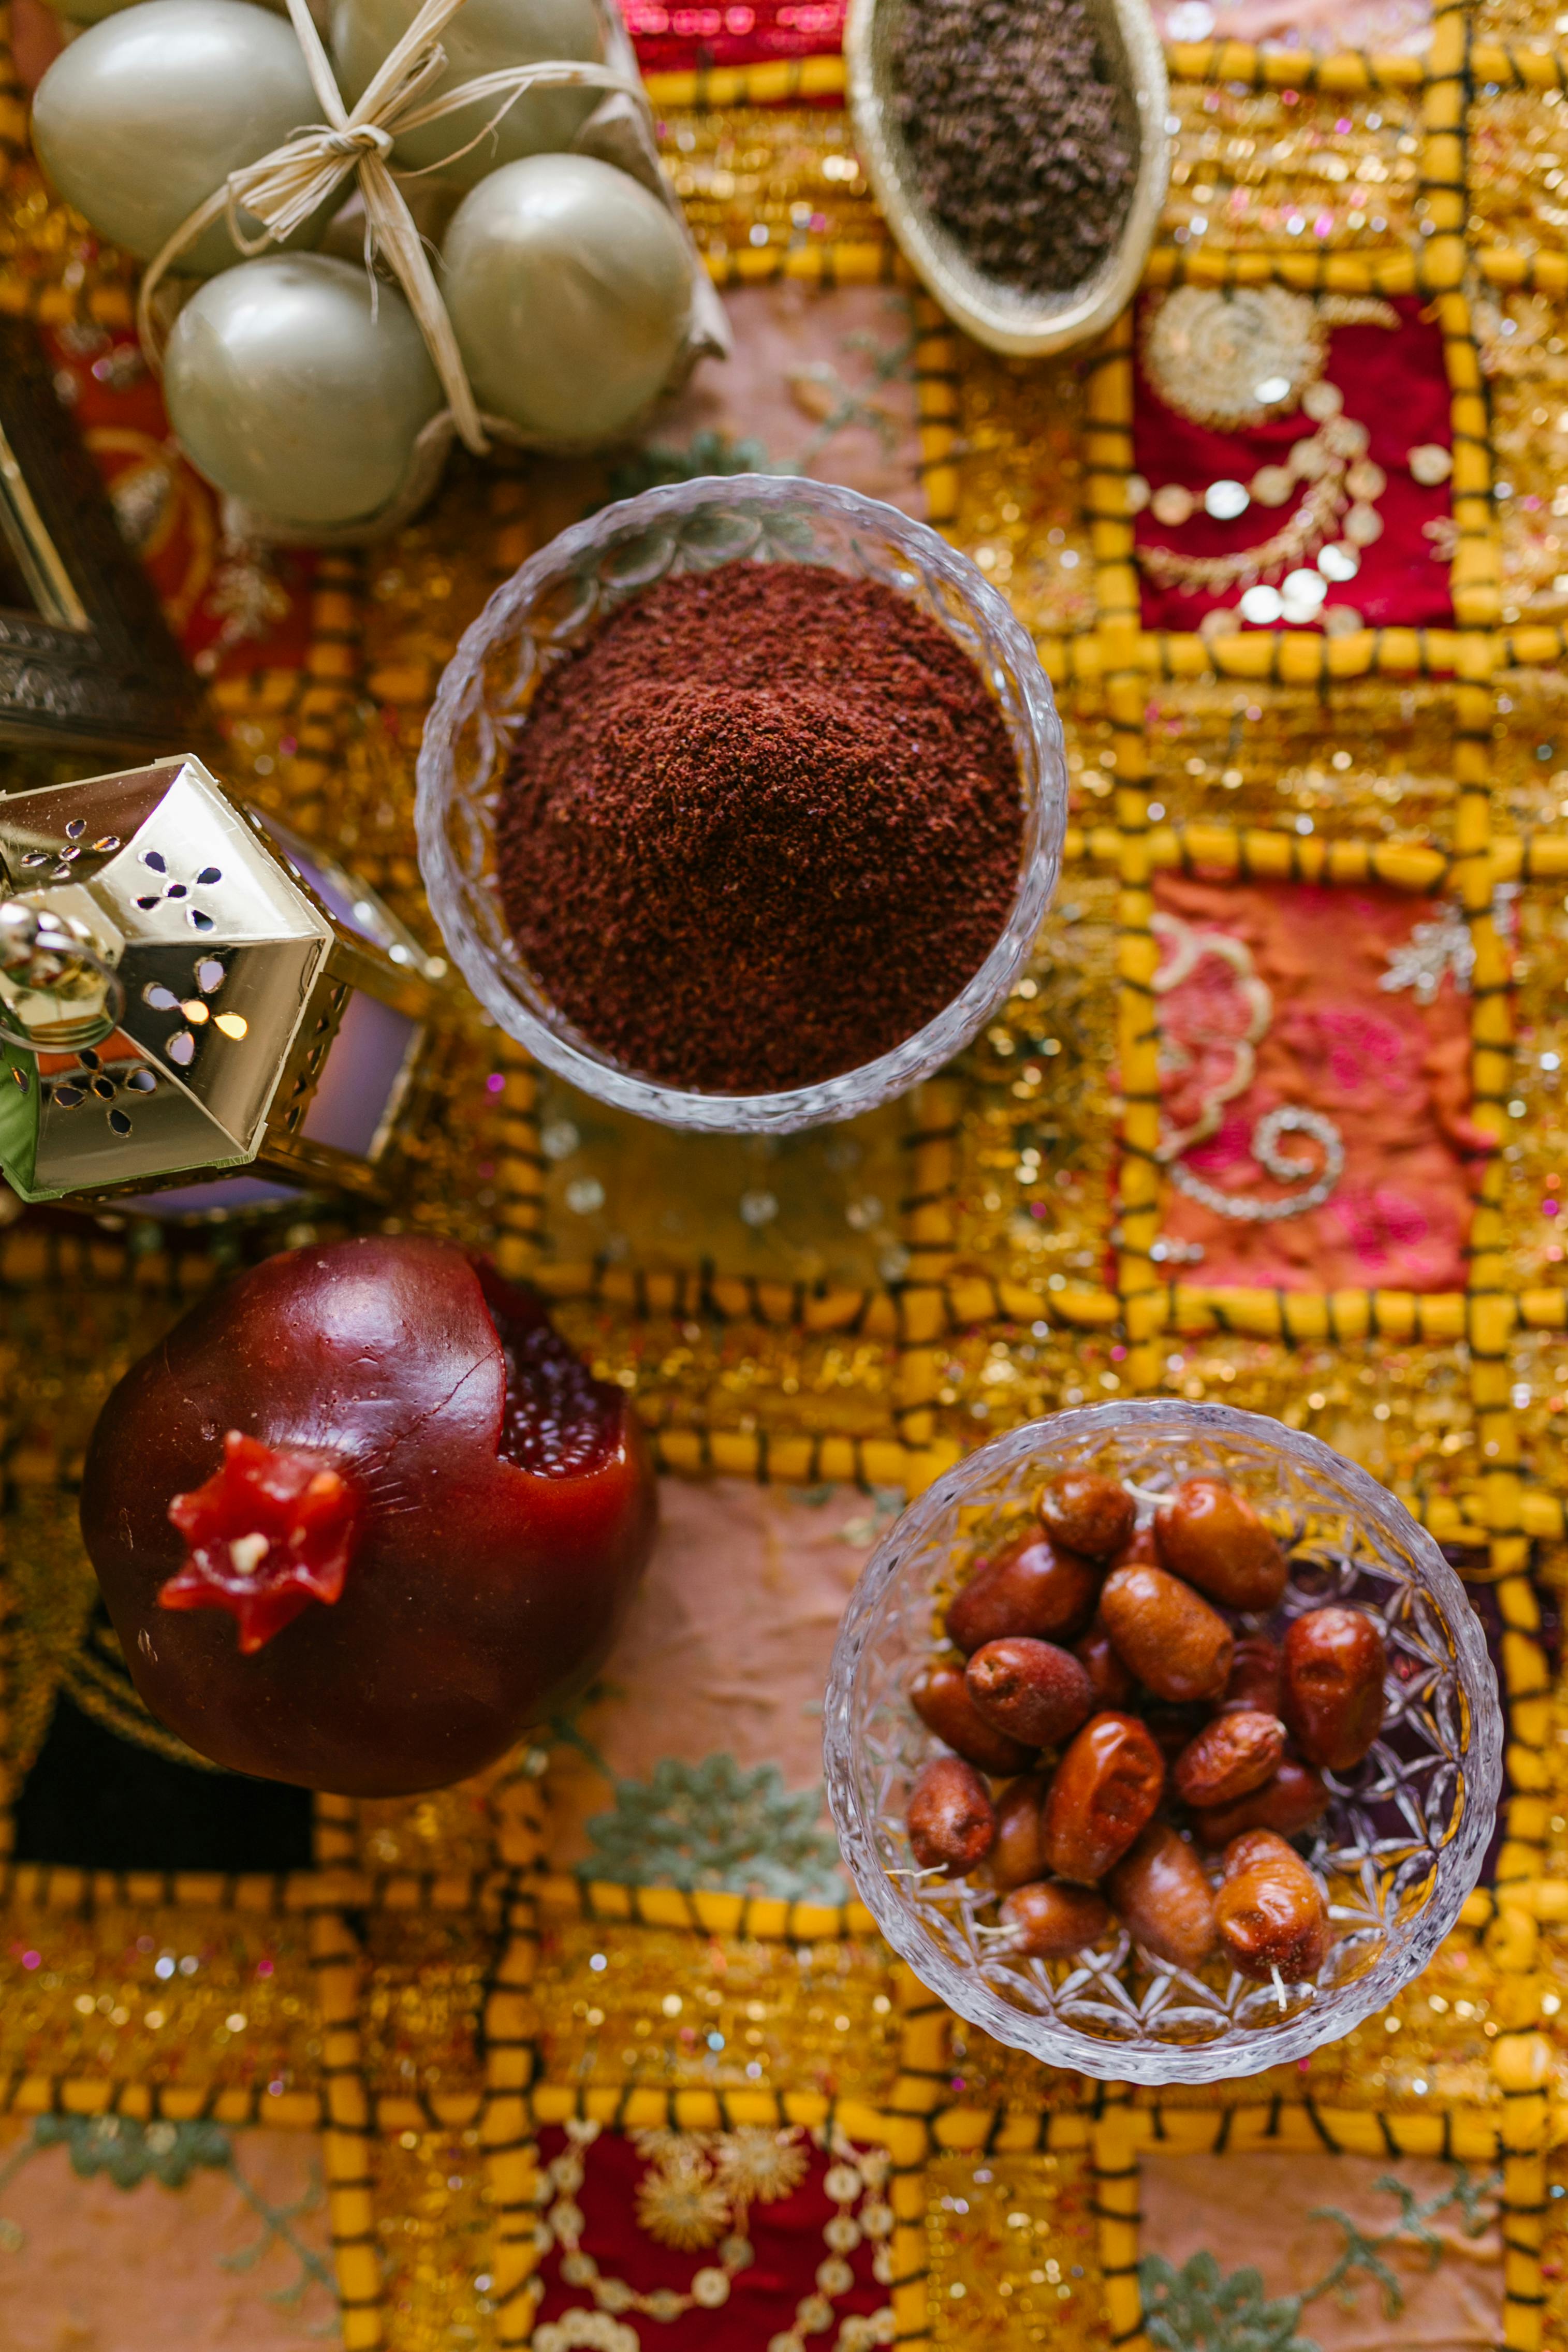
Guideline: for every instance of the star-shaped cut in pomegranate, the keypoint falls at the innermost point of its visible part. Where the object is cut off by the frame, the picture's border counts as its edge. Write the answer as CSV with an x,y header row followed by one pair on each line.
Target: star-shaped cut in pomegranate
x,y
273,1530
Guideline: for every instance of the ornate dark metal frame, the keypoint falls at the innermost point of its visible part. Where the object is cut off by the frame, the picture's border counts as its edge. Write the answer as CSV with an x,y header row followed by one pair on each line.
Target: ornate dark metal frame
x,y
95,666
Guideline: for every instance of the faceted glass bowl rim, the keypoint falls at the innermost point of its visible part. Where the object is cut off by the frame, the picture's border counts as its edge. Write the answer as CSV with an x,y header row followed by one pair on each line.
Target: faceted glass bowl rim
x,y
1458,1864
1042,779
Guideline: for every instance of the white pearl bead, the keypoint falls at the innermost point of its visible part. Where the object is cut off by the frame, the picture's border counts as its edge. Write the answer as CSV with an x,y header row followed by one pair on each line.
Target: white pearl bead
x,y
569,288
1322,400
140,120
287,393
1431,464
484,36
1173,505
1272,486
1225,501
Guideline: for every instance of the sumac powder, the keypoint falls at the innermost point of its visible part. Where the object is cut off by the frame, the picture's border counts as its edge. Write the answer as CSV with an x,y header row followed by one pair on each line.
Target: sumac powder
x,y
1015,134
763,826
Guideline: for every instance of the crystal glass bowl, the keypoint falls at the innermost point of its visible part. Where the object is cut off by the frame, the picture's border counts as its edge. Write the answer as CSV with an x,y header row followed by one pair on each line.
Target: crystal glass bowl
x,y
1399,1849
549,608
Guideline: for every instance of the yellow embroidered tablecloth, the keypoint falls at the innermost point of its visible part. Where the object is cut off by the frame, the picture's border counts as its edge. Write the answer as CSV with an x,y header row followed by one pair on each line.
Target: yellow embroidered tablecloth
x,y
600,2051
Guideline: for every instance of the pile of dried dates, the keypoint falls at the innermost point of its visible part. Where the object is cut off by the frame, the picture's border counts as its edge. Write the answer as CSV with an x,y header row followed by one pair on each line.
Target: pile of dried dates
x,y
1135,1730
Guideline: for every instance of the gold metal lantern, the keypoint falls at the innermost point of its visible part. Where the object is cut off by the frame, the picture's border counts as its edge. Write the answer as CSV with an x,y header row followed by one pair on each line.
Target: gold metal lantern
x,y
196,1005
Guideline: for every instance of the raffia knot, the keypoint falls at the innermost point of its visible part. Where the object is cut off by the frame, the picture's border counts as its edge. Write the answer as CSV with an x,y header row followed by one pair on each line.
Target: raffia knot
x,y
359,139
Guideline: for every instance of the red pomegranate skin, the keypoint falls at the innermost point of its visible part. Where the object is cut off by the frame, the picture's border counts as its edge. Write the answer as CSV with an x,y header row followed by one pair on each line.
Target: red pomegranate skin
x,y
479,1597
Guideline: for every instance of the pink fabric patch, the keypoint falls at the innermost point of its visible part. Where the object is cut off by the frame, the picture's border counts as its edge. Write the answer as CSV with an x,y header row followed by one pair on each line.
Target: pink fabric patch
x,y
725,1650
803,380
1391,1074
1256,2212
1323,26
101,2269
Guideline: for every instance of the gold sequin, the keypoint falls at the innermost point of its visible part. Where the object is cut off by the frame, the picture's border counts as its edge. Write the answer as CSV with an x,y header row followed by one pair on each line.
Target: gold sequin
x,y
746,2015
1374,758
1295,171
1519,151
1013,2254
420,2011
159,1997
791,172
1019,513
434,2226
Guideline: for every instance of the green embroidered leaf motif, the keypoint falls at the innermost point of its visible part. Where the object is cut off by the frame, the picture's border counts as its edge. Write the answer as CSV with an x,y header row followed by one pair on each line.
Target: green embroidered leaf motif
x,y
1200,2309
712,1825
709,453
1197,2309
132,2152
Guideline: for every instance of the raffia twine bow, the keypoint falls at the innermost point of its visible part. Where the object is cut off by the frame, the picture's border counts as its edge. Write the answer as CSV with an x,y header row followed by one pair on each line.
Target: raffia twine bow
x,y
282,190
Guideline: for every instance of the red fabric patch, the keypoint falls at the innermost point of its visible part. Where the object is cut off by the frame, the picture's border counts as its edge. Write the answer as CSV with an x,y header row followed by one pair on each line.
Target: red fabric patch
x,y
1395,385
675,39
785,2237
1391,1074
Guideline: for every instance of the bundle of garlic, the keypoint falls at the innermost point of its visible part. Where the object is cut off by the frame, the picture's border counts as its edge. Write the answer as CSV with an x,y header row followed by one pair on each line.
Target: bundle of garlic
x,y
216,142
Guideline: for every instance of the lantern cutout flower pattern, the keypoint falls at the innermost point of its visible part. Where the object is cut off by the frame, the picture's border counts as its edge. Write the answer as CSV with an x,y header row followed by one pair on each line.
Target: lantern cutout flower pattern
x,y
186,989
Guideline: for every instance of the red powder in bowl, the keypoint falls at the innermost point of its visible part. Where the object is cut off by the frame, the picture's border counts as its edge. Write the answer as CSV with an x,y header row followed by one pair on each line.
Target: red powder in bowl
x,y
761,828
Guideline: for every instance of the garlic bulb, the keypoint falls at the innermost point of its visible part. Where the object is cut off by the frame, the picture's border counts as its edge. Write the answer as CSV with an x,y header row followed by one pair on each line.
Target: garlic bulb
x,y
144,115
569,285
289,394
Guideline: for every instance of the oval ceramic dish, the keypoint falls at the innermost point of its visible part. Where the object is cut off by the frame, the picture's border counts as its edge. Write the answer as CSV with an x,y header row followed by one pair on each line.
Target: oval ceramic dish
x,y
1004,317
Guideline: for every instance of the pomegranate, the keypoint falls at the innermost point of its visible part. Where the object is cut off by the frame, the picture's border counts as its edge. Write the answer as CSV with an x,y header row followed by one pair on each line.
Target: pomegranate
x,y
364,1516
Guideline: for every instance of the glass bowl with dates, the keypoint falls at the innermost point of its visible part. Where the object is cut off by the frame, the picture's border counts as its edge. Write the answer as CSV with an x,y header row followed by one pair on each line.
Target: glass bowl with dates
x,y
1161,1742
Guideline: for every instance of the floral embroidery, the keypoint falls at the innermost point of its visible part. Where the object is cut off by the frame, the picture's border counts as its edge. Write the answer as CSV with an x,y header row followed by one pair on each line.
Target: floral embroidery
x,y
1444,947
1434,951
1264,1147
1379,1223
696,2193
1389,1075
1213,1011
711,1824
130,2153
707,453
1199,2308
763,2165
696,2179
1352,1054
819,392
681,2206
